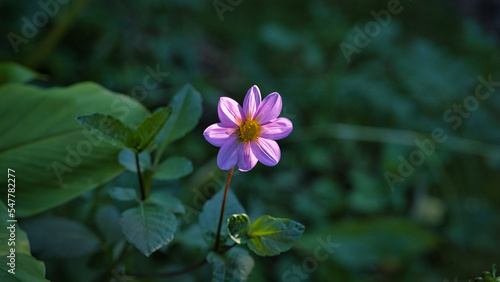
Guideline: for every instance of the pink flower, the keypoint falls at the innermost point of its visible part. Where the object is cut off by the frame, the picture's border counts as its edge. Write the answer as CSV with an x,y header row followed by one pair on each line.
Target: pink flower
x,y
246,135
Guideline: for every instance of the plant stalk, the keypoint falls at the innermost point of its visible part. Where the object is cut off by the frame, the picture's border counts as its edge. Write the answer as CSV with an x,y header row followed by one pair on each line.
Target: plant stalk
x,y
139,176
221,217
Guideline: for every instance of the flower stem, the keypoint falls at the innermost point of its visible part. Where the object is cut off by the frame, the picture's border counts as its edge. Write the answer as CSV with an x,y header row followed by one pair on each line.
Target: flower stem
x,y
217,238
139,176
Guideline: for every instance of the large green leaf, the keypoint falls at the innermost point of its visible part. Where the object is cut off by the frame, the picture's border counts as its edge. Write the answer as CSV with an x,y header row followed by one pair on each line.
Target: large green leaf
x,y
27,268
233,266
173,168
148,227
55,159
267,236
209,216
13,72
56,237
150,128
109,129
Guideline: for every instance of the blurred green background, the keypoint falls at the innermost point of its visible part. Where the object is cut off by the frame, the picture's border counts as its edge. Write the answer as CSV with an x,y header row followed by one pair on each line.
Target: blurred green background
x,y
352,122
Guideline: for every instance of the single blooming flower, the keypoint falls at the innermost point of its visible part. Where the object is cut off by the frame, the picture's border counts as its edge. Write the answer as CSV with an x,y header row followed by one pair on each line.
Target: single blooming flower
x,y
246,134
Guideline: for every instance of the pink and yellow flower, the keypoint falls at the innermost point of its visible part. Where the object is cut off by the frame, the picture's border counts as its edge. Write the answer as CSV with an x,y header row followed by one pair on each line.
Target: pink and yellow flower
x,y
247,134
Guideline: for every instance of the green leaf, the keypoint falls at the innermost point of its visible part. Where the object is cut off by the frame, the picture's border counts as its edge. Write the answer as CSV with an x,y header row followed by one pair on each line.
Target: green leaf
x,y
238,227
173,168
123,194
109,129
186,111
56,159
56,237
13,72
168,202
145,135
233,266
267,236
271,236
22,243
148,227
127,159
27,268
209,217
218,265
190,238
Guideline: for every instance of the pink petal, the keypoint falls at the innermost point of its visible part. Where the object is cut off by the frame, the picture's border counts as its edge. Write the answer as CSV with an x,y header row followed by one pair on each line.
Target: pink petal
x,y
269,109
216,134
251,102
267,151
228,153
276,129
246,159
230,112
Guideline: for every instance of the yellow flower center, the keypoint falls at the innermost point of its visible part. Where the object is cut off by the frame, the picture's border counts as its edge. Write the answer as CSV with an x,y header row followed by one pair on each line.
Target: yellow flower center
x,y
249,131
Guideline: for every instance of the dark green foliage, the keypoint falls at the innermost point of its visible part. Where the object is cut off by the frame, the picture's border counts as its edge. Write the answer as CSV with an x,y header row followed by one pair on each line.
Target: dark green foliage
x,y
353,122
